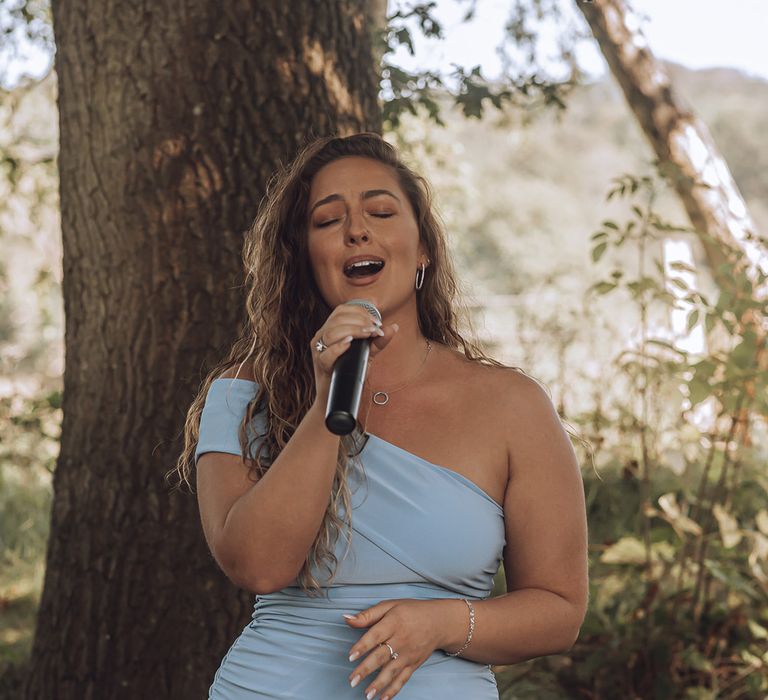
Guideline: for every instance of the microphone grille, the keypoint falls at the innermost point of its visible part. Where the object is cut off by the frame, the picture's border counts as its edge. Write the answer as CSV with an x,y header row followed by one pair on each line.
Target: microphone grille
x,y
368,306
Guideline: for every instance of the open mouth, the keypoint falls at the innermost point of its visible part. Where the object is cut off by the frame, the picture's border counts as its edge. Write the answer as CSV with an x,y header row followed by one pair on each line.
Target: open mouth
x,y
364,270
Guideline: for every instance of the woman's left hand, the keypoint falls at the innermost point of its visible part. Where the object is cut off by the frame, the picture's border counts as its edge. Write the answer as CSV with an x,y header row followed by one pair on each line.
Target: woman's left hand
x,y
411,627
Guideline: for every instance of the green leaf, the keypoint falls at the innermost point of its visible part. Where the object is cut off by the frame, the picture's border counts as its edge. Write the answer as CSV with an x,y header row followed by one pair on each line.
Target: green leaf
x,y
598,250
679,282
403,37
682,267
693,319
604,287
694,659
698,391
628,550
730,532
757,630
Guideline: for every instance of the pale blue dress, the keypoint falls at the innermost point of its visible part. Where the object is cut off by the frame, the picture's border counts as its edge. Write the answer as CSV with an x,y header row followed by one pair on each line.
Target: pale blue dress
x,y
420,530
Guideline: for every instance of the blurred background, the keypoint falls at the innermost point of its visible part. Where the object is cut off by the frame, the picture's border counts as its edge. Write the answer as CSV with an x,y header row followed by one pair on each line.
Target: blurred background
x,y
639,345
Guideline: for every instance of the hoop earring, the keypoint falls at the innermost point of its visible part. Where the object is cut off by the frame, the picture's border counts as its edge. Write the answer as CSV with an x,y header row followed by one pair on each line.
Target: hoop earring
x,y
419,283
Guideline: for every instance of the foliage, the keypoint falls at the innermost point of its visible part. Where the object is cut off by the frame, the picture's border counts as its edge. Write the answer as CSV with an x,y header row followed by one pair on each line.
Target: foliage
x,y
523,88
679,515
29,437
30,239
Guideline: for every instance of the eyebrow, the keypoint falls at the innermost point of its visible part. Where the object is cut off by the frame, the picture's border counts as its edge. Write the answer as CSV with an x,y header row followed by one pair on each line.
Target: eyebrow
x,y
366,195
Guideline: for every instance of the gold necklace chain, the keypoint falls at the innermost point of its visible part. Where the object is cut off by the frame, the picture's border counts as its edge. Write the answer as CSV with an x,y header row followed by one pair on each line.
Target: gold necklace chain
x,y
392,391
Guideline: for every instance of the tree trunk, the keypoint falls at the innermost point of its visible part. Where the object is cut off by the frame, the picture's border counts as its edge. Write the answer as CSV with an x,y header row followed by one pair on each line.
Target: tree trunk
x,y
707,190
377,18
172,117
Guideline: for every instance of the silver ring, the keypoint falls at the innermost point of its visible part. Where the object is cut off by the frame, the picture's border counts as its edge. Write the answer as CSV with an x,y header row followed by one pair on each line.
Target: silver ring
x,y
392,653
320,345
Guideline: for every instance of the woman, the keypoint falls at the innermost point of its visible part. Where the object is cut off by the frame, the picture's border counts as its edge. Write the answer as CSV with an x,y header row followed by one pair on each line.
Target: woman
x,y
467,464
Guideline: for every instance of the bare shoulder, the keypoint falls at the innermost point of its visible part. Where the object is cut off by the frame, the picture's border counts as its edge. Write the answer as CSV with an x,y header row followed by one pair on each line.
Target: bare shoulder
x,y
502,382
239,371
534,431
522,393
458,375
520,409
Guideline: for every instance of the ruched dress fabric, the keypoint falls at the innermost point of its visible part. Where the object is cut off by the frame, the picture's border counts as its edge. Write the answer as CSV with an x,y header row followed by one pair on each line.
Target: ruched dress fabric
x,y
419,530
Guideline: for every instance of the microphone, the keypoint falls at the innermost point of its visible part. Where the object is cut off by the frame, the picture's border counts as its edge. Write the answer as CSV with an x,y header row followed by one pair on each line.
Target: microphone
x,y
347,379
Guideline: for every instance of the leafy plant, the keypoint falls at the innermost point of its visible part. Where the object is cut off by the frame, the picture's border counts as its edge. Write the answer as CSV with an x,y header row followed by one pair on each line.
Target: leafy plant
x,y
527,89
679,517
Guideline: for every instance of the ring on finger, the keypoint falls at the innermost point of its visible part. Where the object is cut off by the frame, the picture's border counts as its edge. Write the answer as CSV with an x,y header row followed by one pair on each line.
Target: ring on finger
x,y
392,653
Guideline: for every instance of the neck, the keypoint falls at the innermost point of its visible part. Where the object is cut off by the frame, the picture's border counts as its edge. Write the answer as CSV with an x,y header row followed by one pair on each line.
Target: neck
x,y
405,359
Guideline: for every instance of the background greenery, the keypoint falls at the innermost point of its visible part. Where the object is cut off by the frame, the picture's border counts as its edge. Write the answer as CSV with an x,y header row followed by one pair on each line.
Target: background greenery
x,y
676,490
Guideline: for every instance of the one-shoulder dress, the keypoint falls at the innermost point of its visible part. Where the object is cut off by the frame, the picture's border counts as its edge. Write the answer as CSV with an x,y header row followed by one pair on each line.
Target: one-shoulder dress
x,y
419,530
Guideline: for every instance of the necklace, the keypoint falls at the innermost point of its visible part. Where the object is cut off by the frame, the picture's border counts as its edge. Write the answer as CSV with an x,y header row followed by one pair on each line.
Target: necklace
x,y
386,394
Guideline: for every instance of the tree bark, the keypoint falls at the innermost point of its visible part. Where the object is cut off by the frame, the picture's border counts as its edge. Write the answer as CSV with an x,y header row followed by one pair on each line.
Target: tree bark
x,y
377,17
172,118
707,189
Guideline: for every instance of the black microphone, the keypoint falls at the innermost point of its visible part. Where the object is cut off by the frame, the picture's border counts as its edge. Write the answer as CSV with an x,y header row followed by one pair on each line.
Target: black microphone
x,y
347,380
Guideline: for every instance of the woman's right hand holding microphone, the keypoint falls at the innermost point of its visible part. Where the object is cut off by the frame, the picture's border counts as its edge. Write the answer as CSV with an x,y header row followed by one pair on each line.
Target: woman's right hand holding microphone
x,y
345,323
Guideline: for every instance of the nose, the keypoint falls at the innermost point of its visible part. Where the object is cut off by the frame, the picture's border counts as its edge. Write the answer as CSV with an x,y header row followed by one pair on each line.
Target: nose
x,y
356,223
357,228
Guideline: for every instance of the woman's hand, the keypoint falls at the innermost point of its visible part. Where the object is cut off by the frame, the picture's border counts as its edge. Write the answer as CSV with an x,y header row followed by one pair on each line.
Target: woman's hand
x,y
411,627
345,323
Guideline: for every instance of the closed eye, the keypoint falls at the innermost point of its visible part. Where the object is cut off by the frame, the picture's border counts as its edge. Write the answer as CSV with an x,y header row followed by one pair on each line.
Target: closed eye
x,y
328,223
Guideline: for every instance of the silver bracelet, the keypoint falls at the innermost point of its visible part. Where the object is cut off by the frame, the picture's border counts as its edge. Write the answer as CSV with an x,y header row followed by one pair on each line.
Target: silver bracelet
x,y
471,628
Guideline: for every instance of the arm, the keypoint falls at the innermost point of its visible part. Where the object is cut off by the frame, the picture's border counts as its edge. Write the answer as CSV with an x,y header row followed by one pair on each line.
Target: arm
x,y
260,533
545,557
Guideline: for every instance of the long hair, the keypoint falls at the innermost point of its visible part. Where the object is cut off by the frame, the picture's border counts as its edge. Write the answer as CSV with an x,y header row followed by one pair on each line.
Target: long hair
x,y
275,340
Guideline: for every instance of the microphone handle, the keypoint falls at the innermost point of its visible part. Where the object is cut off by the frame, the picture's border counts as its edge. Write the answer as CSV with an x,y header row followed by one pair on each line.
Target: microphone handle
x,y
346,388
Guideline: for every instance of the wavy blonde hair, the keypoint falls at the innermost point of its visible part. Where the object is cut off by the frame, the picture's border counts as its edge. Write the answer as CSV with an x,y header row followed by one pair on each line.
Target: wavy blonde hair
x,y
275,341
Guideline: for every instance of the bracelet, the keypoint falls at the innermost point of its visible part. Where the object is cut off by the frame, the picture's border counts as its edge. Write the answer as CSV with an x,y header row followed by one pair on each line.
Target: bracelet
x,y
471,628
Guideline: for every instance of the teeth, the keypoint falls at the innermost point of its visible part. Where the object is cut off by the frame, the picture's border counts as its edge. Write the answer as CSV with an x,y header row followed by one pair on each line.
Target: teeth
x,y
362,263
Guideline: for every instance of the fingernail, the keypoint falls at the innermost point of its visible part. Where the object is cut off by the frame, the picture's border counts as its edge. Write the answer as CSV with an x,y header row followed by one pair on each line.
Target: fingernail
x,y
352,657
371,694
395,327
380,331
354,681
348,616
376,321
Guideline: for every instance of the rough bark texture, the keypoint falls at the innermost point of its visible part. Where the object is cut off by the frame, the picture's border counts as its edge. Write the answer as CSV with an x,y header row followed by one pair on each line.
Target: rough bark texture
x,y
172,117
708,191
